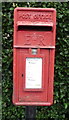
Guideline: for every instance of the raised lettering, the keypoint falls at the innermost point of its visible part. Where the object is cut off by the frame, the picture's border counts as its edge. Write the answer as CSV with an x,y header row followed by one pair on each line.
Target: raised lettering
x,y
47,17
27,40
41,40
34,38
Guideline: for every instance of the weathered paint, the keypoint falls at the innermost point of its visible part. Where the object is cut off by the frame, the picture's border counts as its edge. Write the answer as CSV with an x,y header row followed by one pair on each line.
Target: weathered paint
x,y
34,28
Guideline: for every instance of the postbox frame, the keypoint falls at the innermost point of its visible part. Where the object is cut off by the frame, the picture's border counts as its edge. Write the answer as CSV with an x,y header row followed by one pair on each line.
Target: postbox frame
x,y
51,58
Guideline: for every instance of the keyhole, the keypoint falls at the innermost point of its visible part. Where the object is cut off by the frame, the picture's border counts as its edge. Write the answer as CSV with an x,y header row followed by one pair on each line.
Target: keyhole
x,y
22,75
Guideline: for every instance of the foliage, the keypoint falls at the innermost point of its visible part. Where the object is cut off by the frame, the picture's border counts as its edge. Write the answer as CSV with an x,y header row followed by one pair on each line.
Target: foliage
x,y
58,111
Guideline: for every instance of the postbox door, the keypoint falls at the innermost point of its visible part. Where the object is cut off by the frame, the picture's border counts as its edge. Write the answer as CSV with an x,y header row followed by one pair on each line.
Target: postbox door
x,y
32,93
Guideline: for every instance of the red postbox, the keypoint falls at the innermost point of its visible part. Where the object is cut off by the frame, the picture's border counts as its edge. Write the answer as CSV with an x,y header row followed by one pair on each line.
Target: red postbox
x,y
33,62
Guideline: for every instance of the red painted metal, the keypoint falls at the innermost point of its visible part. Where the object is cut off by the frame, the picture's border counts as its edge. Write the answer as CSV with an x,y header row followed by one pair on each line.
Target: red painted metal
x,y
34,28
